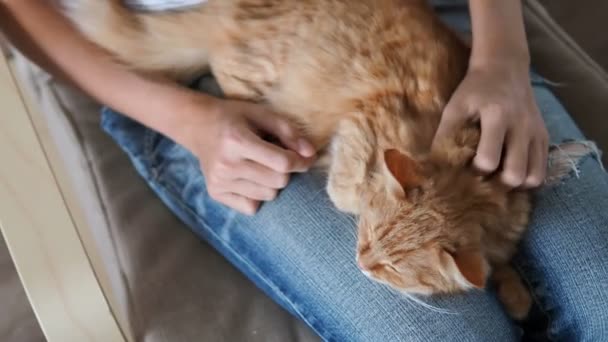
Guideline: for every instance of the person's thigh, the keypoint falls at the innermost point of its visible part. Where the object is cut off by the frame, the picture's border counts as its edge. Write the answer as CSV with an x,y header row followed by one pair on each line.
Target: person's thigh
x,y
564,255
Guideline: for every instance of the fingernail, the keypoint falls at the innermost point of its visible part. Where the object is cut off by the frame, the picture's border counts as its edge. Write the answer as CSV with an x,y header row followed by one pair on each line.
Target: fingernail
x,y
305,148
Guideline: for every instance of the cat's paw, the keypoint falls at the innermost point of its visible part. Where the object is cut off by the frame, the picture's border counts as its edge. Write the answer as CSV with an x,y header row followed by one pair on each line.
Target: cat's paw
x,y
342,198
515,297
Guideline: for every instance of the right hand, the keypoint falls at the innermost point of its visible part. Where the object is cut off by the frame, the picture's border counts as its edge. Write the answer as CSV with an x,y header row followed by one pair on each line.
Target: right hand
x,y
241,168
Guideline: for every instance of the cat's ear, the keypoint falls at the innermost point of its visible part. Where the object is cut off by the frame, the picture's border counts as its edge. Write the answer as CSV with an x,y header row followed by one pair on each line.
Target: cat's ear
x,y
402,171
468,267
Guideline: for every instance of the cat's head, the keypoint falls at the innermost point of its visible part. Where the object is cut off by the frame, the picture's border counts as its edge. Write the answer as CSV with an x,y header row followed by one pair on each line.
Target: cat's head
x,y
424,233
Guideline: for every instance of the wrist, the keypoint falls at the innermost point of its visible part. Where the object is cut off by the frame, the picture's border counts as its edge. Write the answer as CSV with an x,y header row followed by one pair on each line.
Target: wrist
x,y
516,58
191,116
506,63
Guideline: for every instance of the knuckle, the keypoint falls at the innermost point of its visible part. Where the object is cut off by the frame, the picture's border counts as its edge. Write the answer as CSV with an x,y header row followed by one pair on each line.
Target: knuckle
x,y
285,128
283,163
494,109
212,181
533,181
224,167
512,178
524,135
493,118
454,109
282,180
271,194
250,207
233,136
486,163
537,177
219,171
213,192
527,122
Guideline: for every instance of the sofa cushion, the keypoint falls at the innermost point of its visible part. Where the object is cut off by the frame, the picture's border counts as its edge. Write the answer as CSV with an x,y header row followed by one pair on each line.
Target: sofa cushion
x,y
578,80
583,20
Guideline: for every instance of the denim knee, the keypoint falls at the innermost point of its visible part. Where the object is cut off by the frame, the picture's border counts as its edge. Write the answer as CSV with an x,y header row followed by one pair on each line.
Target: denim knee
x,y
564,255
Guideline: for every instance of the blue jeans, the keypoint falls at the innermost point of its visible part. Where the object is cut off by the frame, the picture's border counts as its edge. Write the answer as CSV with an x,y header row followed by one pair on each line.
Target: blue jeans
x,y
301,251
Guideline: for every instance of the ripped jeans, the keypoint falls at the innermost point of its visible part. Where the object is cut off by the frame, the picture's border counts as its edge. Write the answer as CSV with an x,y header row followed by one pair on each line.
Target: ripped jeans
x,y
301,251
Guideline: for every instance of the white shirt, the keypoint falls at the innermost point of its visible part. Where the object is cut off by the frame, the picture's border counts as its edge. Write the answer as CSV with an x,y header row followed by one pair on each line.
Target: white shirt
x,y
161,5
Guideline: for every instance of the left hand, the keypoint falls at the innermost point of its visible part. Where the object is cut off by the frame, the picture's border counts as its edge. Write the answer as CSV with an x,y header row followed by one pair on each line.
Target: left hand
x,y
500,96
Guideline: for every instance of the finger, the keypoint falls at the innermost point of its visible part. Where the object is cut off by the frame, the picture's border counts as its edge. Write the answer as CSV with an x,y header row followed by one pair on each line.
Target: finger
x,y
516,160
239,203
273,156
489,150
262,175
537,165
284,130
251,190
452,117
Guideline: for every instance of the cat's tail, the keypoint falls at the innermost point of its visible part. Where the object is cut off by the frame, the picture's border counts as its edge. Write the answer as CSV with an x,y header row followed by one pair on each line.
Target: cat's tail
x,y
154,42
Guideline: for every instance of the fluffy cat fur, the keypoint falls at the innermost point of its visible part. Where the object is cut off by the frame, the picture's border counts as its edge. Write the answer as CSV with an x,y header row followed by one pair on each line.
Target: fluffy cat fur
x,y
369,79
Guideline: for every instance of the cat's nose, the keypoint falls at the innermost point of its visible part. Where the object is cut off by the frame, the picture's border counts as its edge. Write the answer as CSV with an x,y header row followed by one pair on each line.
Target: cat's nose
x,y
362,264
363,257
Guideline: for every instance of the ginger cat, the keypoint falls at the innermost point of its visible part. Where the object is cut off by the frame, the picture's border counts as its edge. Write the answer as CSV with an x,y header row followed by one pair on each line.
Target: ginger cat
x,y
369,80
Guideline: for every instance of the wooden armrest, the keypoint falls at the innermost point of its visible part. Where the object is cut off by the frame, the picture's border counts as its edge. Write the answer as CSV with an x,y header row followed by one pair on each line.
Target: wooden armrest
x,y
42,238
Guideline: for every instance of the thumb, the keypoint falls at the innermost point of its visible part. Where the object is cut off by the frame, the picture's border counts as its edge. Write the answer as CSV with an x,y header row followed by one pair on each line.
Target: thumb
x,y
272,123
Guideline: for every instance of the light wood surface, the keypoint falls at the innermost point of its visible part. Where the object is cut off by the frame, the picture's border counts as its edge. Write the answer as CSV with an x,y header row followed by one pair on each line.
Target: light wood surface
x,y
39,92
40,233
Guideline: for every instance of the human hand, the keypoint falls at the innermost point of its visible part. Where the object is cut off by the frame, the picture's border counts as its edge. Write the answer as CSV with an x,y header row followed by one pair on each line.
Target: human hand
x,y
500,97
240,167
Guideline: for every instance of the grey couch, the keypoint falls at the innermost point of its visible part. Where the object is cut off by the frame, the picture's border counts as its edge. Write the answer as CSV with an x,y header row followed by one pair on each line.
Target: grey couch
x,y
168,285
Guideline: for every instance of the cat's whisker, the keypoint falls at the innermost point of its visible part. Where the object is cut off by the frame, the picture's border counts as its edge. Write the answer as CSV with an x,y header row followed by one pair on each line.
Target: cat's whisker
x,y
352,219
411,297
420,302
318,192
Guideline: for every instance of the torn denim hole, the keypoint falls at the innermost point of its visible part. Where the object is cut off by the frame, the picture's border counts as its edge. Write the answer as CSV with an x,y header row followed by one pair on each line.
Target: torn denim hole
x,y
564,159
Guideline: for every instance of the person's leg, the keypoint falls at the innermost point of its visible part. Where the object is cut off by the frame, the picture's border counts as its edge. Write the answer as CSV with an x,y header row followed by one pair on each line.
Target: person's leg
x,y
564,255
301,252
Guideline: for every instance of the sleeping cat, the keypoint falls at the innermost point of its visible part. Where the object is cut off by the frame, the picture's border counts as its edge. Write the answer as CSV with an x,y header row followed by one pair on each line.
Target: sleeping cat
x,y
366,81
